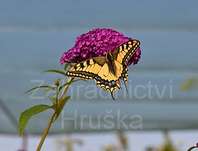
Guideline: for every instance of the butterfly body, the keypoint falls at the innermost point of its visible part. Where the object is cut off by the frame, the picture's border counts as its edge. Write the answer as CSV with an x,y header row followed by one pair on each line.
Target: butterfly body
x,y
107,70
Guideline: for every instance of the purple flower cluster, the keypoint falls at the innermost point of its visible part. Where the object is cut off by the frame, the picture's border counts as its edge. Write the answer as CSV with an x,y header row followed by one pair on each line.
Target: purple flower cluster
x,y
96,42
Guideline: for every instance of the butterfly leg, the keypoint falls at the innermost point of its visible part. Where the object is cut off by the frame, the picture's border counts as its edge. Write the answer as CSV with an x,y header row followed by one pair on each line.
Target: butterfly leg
x,y
112,95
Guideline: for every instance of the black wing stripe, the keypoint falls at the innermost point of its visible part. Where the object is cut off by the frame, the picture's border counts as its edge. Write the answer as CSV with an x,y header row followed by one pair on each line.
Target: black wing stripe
x,y
105,84
133,45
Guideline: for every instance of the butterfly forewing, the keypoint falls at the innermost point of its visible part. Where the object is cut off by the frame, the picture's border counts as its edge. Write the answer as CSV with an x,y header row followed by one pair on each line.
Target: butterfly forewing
x,y
87,69
125,51
123,54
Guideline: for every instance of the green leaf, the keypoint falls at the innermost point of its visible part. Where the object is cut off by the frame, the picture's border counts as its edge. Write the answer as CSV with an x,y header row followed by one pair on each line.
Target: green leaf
x,y
27,114
189,84
39,87
61,104
57,71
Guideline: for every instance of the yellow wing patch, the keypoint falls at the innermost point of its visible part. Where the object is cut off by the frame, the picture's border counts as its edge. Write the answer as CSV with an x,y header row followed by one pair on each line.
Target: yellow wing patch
x,y
106,74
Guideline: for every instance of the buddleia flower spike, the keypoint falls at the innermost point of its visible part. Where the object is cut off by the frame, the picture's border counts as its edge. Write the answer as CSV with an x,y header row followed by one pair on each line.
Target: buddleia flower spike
x,y
102,55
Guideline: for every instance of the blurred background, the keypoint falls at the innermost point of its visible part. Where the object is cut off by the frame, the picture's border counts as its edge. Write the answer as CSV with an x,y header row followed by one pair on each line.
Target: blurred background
x,y
158,114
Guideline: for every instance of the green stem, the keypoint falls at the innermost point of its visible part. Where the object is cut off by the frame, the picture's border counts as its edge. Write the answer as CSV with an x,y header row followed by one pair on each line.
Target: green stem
x,y
46,131
66,88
